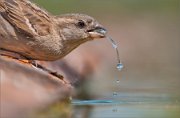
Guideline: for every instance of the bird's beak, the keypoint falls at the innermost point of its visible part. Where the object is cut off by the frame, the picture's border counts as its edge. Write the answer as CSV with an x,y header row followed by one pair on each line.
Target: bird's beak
x,y
97,32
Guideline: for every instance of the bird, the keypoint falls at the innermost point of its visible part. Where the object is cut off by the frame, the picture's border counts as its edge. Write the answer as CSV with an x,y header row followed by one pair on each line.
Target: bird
x,y
35,34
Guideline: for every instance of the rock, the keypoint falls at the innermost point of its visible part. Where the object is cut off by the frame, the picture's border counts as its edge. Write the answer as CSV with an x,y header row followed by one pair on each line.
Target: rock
x,y
24,89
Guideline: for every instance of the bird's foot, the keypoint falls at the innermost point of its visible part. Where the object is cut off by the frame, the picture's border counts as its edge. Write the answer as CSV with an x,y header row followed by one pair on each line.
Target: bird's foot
x,y
53,73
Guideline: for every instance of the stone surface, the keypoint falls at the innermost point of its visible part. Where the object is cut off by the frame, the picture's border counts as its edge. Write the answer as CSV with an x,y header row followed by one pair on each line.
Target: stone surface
x,y
24,89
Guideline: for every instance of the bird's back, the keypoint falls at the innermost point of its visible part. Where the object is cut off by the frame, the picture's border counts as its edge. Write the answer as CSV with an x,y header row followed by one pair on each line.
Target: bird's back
x,y
25,29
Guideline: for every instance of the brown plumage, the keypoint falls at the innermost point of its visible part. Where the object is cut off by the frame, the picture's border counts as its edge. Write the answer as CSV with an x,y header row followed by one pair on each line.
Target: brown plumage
x,y
36,34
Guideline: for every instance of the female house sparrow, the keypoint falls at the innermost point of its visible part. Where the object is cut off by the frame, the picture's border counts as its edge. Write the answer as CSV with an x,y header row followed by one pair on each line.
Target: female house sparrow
x,y
37,35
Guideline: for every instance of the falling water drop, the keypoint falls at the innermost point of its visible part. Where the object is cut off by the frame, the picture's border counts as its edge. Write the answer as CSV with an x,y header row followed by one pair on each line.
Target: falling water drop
x,y
117,81
114,45
115,94
119,66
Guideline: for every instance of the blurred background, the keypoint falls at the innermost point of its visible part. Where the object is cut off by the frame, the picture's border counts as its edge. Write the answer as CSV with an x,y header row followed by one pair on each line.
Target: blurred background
x,y
148,36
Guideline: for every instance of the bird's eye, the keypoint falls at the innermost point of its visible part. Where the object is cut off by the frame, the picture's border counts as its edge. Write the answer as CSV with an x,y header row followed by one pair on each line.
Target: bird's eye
x,y
81,24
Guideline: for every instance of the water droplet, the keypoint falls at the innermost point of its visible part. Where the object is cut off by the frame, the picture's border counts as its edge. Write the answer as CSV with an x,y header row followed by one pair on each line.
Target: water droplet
x,y
114,45
115,94
117,81
119,66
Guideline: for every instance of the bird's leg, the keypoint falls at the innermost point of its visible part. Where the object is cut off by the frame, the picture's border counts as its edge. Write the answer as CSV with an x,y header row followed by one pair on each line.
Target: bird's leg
x,y
53,73
34,63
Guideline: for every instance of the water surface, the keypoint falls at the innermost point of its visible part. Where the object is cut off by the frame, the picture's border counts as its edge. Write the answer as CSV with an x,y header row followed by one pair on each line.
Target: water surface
x,y
128,106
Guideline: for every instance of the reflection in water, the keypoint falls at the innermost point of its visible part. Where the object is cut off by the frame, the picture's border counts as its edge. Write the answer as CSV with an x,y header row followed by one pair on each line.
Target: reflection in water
x,y
135,106
90,102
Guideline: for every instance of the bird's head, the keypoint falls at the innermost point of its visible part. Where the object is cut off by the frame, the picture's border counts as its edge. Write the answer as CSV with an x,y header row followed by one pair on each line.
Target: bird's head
x,y
79,28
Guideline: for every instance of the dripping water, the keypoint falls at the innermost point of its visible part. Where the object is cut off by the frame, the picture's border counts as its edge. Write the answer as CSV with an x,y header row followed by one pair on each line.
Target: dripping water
x,y
119,65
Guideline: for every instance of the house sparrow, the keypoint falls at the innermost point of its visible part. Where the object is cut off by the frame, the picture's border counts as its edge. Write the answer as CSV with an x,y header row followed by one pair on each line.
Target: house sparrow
x,y
35,34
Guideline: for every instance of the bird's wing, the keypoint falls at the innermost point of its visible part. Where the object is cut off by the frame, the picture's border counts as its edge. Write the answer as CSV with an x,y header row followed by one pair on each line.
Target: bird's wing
x,y
26,16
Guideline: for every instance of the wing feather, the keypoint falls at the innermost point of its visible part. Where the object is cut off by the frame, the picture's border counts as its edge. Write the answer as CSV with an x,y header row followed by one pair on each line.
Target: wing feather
x,y
26,17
